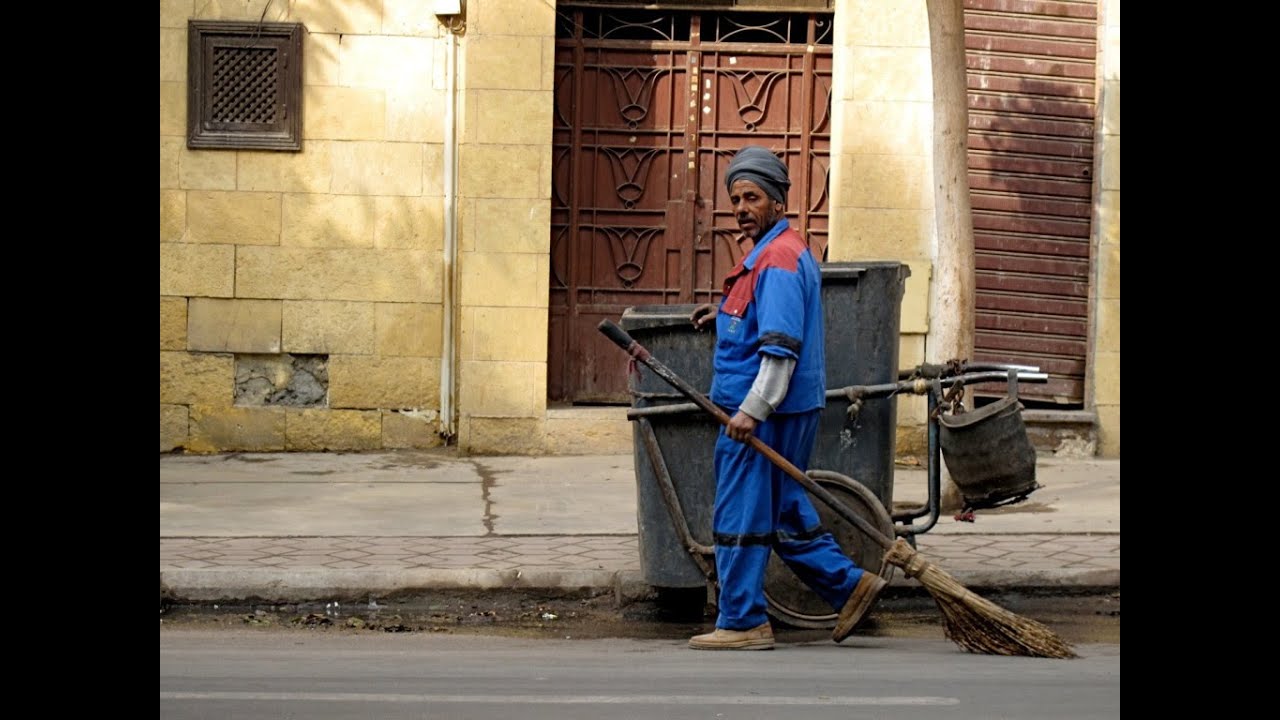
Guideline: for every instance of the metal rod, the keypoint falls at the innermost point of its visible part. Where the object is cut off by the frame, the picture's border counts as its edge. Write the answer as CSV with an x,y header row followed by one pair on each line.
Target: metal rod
x,y
933,506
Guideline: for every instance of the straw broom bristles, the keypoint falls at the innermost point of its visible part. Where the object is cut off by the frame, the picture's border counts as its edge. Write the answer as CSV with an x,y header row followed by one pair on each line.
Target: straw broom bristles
x,y
973,622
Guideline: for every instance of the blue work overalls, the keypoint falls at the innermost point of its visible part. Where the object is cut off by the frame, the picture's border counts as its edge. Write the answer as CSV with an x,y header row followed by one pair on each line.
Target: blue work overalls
x,y
772,305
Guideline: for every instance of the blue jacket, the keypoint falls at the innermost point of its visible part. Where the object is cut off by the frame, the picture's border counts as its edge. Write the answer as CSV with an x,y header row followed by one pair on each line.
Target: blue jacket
x,y
772,304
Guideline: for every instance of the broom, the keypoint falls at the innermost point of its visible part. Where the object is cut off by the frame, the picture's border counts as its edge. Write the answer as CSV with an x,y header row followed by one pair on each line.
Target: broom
x,y
969,620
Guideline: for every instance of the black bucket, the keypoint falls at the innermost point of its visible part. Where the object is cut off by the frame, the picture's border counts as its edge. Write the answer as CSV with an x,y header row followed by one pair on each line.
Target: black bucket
x,y
988,452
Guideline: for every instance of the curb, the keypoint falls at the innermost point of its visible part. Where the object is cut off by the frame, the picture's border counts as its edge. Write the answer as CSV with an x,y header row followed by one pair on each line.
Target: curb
x,y
248,586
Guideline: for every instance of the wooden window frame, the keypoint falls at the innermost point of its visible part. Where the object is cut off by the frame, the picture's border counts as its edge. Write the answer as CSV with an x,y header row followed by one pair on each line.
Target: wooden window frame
x,y
203,132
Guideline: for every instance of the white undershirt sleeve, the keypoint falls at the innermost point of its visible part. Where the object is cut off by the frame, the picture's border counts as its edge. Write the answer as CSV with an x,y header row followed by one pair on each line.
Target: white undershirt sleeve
x,y
770,386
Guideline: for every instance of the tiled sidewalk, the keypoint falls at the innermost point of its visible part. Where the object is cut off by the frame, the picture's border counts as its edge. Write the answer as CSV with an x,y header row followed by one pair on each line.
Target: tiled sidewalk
x,y
960,555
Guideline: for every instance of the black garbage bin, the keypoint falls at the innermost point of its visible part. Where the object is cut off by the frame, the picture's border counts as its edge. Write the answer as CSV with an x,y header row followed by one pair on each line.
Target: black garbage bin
x,y
862,313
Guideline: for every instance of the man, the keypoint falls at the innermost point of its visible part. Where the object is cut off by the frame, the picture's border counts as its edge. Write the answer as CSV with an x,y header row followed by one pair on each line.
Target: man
x,y
770,377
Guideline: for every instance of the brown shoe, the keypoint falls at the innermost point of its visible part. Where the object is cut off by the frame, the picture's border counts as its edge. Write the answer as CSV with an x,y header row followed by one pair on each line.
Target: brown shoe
x,y
864,596
757,638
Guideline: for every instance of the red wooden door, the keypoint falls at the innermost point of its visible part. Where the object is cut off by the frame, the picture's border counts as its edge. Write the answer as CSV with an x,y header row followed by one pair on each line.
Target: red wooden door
x,y
650,107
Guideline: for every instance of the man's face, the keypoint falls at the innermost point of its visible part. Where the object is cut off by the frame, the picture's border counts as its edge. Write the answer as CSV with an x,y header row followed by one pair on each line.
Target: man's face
x,y
755,211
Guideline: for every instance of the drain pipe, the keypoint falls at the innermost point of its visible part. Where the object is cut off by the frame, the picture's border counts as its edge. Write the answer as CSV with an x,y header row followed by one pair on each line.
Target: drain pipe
x,y
448,365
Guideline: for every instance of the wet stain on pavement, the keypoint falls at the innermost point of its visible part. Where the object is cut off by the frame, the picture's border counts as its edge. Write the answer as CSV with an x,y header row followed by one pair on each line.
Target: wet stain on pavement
x,y
488,480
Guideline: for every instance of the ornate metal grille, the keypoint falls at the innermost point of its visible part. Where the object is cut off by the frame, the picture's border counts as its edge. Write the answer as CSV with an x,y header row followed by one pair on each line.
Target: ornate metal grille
x,y
244,85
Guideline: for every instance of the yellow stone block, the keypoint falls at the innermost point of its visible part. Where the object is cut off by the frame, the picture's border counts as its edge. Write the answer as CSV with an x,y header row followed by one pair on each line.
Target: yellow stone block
x,y
243,429
885,181
321,16
412,223
512,17
505,279
910,350
175,13
1108,431
512,117
915,297
504,333
409,17
173,323
912,442
467,221
344,113
244,10
1111,53
236,326
173,215
512,226
1107,326
913,410
1111,162
433,170
509,389
207,170
171,149
1109,272
377,168
309,171
548,64
588,431
501,171
173,109
323,274
488,62
1111,107
440,62
311,220
1106,378
320,62
240,218
173,427
410,429
188,378
887,128
416,114
390,383
412,330
384,61
891,73
1109,217
314,430
501,436
879,233
173,54
320,328
197,270
883,23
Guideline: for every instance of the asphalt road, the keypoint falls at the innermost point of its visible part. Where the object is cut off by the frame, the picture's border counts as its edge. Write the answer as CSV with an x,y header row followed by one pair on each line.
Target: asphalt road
x,y
251,673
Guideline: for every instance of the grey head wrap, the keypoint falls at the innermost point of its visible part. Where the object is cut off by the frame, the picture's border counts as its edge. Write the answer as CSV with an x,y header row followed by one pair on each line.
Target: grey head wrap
x,y
761,167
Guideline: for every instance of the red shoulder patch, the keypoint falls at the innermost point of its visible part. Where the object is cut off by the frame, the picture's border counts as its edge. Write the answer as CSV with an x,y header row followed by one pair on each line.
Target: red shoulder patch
x,y
783,252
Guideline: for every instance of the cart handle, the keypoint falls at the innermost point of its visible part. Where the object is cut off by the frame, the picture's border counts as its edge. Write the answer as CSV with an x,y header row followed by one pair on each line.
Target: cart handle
x,y
919,386
947,370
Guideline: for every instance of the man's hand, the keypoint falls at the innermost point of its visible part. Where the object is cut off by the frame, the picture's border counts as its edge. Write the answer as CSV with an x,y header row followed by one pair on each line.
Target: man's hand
x,y
703,315
741,427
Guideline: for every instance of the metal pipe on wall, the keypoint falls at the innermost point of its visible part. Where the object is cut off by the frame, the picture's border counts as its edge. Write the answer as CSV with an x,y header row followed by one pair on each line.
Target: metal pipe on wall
x,y
448,370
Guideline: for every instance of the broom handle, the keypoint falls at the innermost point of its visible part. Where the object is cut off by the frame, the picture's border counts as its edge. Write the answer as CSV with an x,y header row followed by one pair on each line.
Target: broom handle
x,y
638,351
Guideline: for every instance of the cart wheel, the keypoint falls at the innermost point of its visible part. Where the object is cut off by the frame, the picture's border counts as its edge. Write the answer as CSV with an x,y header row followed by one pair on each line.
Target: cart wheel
x,y
790,600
